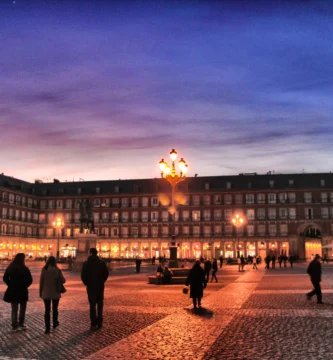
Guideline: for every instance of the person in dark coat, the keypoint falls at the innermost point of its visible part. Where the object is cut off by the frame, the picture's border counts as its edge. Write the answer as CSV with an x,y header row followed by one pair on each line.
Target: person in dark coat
x,y
214,268
94,274
138,264
221,261
167,275
273,261
18,278
280,260
242,260
51,279
314,270
153,260
207,268
197,281
291,260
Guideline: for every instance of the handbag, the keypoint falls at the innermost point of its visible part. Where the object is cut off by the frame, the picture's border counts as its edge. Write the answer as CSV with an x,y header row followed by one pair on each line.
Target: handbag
x,y
61,286
185,290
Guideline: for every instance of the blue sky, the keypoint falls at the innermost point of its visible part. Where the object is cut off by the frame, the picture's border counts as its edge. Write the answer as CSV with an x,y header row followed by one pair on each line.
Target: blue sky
x,y
103,90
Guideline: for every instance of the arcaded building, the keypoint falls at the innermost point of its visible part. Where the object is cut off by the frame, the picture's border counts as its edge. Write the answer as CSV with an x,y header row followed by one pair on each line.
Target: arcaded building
x,y
289,213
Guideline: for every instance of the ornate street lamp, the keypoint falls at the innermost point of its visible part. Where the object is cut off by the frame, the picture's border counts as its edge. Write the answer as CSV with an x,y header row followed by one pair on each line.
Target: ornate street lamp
x,y
237,221
170,174
58,225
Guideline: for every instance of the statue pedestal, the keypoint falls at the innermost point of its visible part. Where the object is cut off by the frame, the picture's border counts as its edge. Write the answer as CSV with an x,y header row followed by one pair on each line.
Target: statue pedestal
x,y
85,242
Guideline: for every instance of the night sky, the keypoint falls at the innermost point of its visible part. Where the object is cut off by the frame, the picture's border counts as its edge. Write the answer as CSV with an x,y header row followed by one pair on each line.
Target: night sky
x,y
104,89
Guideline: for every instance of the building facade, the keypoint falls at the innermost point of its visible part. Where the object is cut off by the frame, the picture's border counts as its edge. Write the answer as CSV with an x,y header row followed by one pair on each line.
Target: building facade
x,y
289,213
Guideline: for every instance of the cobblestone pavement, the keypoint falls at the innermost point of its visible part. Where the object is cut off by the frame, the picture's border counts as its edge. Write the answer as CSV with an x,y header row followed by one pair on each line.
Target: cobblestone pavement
x,y
252,315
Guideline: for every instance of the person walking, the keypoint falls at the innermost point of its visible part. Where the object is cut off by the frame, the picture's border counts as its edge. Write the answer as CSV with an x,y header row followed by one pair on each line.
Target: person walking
x,y
94,274
153,260
254,262
273,261
314,270
242,260
18,279
197,281
138,264
280,260
325,258
291,260
285,258
50,288
214,268
207,268
221,261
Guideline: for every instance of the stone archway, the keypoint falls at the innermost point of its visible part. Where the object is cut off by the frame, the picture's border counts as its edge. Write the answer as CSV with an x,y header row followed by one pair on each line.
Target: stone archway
x,y
309,240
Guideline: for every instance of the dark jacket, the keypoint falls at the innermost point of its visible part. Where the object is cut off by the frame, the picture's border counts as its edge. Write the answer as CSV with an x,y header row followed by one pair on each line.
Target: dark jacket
x,y
207,265
314,270
197,281
94,274
18,279
214,266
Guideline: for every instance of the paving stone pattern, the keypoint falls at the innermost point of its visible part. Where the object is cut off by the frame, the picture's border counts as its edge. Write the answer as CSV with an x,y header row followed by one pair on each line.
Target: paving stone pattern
x,y
253,315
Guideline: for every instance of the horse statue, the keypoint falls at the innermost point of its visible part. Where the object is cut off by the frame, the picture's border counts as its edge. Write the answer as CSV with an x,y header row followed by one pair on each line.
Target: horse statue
x,y
87,224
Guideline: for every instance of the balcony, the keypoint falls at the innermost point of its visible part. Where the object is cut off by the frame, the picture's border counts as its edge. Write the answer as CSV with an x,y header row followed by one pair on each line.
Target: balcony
x,y
115,220
207,218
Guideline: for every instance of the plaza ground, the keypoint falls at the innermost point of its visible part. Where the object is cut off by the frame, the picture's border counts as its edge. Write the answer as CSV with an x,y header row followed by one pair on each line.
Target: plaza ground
x,y
260,314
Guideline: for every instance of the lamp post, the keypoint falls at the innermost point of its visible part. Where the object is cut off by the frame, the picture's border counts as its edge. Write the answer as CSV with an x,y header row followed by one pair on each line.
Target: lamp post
x,y
237,221
58,225
170,174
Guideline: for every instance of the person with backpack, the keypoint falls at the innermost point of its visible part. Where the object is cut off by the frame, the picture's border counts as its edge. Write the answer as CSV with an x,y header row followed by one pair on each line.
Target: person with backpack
x,y
50,289
18,279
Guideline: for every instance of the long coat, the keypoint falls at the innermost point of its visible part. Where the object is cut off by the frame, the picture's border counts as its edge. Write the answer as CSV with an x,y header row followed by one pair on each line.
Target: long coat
x,y
49,284
18,279
94,274
196,280
314,270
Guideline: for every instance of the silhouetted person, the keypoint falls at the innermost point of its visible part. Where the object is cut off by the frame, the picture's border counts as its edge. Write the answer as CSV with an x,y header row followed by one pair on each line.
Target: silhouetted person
x,y
214,270
285,258
153,260
197,281
138,264
273,261
325,258
50,282
221,261
267,261
314,270
254,262
94,274
18,278
291,260
242,260
167,275
280,260
207,268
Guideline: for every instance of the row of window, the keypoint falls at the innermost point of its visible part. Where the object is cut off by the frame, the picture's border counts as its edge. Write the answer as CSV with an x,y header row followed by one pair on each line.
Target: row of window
x,y
184,215
261,198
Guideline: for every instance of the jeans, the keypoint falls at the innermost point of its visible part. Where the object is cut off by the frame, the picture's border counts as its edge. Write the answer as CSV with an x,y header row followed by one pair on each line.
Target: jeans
x,y
214,275
96,317
47,317
23,307
316,290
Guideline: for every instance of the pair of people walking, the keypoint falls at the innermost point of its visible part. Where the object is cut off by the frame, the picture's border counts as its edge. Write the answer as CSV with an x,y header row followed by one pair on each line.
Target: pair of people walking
x,y
18,279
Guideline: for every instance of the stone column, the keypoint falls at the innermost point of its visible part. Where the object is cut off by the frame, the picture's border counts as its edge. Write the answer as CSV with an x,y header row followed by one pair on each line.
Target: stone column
x,y
256,247
278,248
245,249
267,247
234,248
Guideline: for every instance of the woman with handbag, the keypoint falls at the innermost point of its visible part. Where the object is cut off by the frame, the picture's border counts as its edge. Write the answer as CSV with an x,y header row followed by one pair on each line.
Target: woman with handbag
x,y
50,289
197,281
18,278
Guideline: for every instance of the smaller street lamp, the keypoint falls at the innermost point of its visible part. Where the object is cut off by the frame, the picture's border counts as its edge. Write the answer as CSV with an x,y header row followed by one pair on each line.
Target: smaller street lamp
x,y
237,221
58,225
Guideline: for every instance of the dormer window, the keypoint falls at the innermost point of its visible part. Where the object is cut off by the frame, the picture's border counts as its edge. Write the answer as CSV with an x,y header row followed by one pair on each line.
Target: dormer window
x,y
79,190
116,189
136,188
98,190
249,185
322,182
271,183
228,185
206,186
291,182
